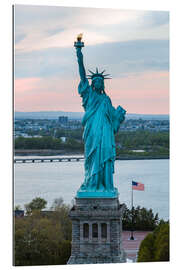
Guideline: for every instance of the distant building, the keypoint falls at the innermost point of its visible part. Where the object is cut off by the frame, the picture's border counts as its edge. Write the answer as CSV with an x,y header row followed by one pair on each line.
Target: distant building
x,y
63,120
19,213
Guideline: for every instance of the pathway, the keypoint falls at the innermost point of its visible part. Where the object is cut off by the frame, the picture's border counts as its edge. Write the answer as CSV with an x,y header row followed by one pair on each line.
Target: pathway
x,y
131,247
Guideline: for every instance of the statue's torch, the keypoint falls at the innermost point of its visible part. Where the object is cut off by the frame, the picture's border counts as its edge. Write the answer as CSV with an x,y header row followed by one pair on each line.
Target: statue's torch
x,y
79,43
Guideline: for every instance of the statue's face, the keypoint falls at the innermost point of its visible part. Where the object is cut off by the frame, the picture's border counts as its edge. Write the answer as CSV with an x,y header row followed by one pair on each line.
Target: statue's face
x,y
98,84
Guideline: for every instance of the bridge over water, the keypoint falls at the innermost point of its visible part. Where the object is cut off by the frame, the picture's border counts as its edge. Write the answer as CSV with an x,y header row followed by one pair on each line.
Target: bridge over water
x,y
61,159
49,159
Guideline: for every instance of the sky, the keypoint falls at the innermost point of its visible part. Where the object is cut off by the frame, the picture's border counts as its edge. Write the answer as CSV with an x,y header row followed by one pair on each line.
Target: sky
x,y
131,45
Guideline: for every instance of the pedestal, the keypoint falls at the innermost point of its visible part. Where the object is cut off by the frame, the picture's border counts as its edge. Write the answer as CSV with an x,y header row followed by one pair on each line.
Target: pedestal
x,y
97,231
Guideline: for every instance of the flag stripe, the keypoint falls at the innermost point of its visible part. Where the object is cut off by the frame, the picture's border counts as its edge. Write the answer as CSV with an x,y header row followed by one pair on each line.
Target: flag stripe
x,y
137,186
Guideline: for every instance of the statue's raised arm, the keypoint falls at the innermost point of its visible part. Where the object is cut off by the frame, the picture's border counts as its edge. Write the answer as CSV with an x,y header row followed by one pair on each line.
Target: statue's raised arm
x,y
78,45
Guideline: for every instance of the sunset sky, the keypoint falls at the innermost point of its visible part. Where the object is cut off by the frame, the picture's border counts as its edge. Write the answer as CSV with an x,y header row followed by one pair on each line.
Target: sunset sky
x,y
133,46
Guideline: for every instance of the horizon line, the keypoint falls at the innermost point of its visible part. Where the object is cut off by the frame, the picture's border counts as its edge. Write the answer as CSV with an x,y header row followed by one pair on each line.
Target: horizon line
x,y
84,112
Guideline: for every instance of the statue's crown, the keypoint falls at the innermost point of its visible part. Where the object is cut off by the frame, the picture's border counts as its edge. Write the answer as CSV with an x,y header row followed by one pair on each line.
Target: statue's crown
x,y
97,74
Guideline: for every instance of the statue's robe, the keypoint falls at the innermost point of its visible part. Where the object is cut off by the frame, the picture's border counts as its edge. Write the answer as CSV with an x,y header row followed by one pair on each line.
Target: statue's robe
x,y
101,120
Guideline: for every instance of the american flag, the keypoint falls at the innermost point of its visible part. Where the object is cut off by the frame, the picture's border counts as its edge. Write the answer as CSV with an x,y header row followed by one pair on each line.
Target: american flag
x,y
137,186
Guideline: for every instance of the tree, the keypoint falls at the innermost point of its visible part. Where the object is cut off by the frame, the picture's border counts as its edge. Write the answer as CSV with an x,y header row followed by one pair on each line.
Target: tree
x,y
143,219
61,214
155,246
36,204
43,237
162,243
57,203
39,241
146,251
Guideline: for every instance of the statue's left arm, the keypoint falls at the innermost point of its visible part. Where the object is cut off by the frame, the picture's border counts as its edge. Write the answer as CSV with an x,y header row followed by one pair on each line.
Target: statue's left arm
x,y
118,118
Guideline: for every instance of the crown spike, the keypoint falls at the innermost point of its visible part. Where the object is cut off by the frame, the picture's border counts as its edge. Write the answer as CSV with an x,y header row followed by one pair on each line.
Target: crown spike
x,y
97,74
106,75
103,71
91,72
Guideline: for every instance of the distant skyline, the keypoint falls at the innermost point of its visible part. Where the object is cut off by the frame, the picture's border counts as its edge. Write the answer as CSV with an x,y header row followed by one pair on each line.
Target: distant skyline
x,y
133,46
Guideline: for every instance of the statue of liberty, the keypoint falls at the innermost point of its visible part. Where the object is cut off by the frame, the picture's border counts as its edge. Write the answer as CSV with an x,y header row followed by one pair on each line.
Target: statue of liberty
x,y
101,121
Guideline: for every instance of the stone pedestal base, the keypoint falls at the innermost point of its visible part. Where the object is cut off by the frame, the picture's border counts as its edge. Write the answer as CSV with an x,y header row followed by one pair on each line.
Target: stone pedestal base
x,y
96,231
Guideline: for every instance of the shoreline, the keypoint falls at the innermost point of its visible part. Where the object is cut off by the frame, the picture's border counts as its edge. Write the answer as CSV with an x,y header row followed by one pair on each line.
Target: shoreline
x,y
46,152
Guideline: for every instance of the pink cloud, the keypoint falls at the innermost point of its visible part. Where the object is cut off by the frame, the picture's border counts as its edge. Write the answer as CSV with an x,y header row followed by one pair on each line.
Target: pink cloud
x,y
35,94
146,93
25,84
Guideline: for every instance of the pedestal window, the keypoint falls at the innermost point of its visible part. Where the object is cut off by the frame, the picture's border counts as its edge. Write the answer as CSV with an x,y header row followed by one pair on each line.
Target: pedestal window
x,y
95,230
104,230
85,230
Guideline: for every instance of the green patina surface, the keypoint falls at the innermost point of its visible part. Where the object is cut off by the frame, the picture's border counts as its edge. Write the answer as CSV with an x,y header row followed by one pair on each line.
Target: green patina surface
x,y
101,122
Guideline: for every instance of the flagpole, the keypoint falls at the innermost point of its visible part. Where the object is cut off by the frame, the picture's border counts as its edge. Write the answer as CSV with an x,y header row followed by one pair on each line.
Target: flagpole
x,y
132,237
